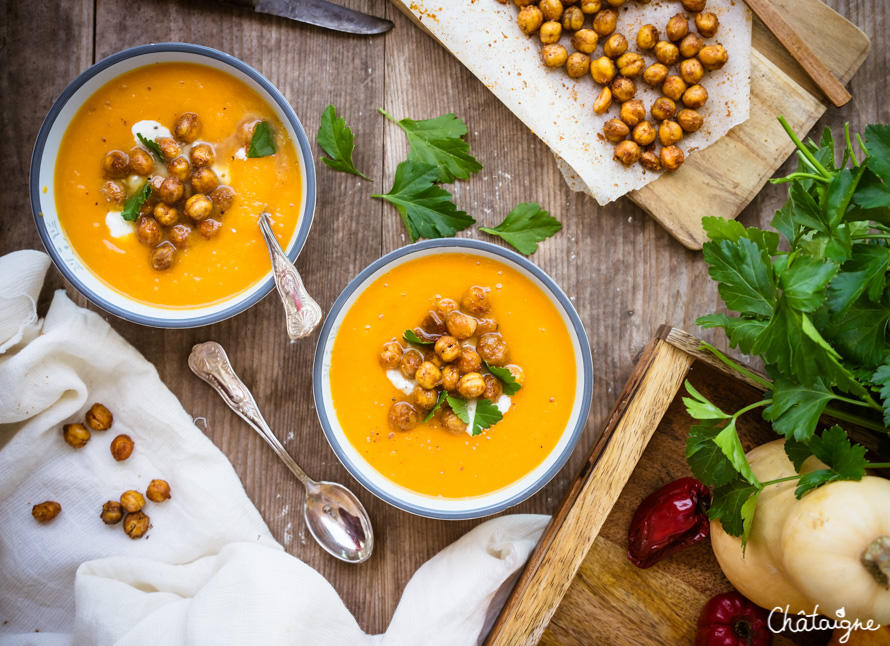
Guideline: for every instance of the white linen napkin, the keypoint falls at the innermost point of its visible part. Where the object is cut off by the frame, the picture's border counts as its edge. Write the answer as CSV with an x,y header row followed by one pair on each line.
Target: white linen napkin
x,y
209,571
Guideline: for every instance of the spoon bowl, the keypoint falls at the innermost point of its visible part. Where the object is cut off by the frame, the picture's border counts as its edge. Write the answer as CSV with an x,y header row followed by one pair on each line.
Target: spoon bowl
x,y
338,521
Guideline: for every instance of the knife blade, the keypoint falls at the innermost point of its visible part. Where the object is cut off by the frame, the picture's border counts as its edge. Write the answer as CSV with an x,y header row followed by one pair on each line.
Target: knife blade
x,y
319,13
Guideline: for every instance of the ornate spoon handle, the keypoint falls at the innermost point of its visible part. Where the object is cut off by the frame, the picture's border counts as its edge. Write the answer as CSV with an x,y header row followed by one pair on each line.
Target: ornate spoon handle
x,y
301,312
209,361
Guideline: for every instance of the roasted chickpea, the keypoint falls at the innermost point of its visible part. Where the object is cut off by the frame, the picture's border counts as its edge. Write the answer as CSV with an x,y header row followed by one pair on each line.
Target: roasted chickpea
x,y
424,399
165,214
469,361
603,102
431,356
693,6
403,416
169,148
603,70
148,231
186,127
577,65
493,388
452,422
663,108
627,152
222,198
650,161
615,130
111,512
162,257
655,74
46,511
677,27
572,19
204,180
171,191
689,120
713,57
198,207
695,97
471,385
690,45
132,501
623,89
554,55
493,349
707,24
113,192
202,155
460,326
615,45
410,362
630,64
552,9
605,22
135,525
209,228
647,37
141,162
671,157
673,87
391,355
585,41
427,375
550,32
448,348
669,133
666,52
615,3
691,71
475,301
591,6
156,182
530,19
632,112
517,373
179,235
524,3
178,168
121,447
485,326
99,418
116,164
158,491
450,377
643,133
76,435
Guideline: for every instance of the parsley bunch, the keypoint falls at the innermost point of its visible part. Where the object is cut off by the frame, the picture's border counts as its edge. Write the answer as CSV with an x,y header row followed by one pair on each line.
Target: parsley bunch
x,y
812,300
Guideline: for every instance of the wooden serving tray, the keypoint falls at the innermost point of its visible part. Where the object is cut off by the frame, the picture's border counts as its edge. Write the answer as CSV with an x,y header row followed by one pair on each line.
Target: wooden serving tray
x,y
578,587
722,179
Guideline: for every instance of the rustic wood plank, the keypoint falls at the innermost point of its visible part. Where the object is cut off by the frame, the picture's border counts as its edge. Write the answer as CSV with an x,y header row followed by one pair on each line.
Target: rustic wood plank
x,y
625,274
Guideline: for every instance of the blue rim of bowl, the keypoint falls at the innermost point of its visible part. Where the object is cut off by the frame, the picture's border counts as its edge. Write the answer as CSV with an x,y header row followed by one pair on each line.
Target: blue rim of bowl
x,y
587,375
105,63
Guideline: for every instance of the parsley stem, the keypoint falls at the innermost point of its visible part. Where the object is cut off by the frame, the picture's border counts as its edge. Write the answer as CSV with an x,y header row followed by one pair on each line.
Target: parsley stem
x,y
850,144
794,176
858,402
735,366
862,144
855,419
778,480
739,413
872,236
878,465
803,149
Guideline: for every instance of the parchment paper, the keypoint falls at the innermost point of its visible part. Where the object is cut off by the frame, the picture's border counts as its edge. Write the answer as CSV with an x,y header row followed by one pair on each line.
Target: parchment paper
x,y
484,36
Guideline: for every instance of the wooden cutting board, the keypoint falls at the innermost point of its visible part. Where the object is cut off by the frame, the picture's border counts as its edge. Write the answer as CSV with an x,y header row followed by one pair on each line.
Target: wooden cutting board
x,y
725,177
578,587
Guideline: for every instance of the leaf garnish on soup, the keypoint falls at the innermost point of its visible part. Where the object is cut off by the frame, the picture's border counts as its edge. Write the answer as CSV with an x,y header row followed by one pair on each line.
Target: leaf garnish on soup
x,y
262,143
411,337
153,146
135,202
486,416
511,386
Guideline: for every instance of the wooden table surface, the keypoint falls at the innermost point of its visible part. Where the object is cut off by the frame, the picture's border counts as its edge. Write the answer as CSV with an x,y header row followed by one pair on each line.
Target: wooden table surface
x,y
624,274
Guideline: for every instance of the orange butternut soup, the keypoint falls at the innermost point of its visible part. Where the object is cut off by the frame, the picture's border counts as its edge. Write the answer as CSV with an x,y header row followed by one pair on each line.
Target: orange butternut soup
x,y
204,271
429,459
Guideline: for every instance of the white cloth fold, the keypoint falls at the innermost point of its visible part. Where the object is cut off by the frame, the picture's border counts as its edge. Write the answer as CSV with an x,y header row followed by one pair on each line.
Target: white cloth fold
x,y
209,571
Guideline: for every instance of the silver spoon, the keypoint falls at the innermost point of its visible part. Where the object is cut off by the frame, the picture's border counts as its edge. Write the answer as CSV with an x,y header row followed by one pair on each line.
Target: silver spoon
x,y
301,312
335,517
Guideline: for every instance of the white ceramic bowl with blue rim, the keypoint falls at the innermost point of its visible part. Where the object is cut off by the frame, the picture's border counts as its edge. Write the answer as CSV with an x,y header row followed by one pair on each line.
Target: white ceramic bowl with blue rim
x,y
43,164
430,506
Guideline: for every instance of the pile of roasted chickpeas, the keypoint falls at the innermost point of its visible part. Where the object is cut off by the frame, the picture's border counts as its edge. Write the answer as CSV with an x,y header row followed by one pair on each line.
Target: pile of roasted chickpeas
x,y
186,194
682,58
456,342
135,521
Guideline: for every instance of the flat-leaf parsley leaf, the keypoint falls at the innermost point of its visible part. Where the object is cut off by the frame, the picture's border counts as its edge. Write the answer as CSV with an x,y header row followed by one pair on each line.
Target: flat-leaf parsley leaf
x,y
526,226
262,144
135,202
336,139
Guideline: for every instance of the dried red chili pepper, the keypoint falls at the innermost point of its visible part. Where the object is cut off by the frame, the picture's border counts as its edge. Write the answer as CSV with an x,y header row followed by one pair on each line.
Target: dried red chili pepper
x,y
729,619
674,517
